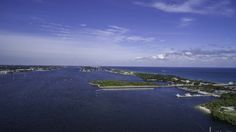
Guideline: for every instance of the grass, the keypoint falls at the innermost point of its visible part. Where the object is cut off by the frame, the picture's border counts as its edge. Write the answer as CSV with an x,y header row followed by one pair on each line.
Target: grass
x,y
120,83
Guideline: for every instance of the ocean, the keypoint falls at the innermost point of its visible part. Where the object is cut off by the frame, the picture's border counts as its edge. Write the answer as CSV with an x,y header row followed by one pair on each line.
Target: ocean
x,y
63,101
219,75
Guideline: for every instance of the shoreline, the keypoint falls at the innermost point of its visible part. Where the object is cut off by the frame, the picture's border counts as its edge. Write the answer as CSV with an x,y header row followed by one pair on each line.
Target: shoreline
x,y
199,92
136,86
139,87
151,87
127,86
125,89
131,86
203,109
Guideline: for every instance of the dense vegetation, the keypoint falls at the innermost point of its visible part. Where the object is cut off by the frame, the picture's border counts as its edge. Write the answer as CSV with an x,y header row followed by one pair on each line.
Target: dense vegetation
x,y
209,88
148,76
120,83
218,111
192,84
159,77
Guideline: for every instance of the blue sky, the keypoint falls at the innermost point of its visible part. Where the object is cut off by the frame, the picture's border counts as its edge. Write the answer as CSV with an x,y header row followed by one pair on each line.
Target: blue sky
x,y
182,33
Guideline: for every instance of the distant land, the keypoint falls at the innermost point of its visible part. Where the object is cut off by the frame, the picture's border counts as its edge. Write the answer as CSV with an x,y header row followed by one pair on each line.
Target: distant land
x,y
222,108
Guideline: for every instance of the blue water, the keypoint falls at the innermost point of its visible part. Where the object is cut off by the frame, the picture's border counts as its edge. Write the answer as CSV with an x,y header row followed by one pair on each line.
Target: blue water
x,y
220,75
63,101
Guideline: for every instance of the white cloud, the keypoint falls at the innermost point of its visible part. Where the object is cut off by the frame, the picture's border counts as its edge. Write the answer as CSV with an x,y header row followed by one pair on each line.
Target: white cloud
x,y
83,25
55,29
140,38
154,57
116,34
117,29
158,57
111,33
220,7
161,56
188,53
185,21
28,49
139,58
197,56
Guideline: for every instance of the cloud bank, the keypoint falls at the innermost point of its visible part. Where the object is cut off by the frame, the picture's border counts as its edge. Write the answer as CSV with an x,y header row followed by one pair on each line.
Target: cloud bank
x,y
216,7
116,34
29,49
215,57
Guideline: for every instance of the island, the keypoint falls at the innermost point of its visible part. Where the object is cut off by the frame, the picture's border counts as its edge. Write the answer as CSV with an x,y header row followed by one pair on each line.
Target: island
x,y
222,108
10,69
165,80
123,85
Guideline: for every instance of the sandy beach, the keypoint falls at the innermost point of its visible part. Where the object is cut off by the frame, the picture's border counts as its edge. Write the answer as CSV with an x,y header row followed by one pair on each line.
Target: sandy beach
x,y
203,109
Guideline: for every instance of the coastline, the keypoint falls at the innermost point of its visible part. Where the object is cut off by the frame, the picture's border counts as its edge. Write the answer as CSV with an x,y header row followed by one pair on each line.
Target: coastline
x,y
149,87
125,89
199,91
129,86
203,109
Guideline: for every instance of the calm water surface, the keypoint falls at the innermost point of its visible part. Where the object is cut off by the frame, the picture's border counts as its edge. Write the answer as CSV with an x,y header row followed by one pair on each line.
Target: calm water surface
x,y
220,75
62,100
